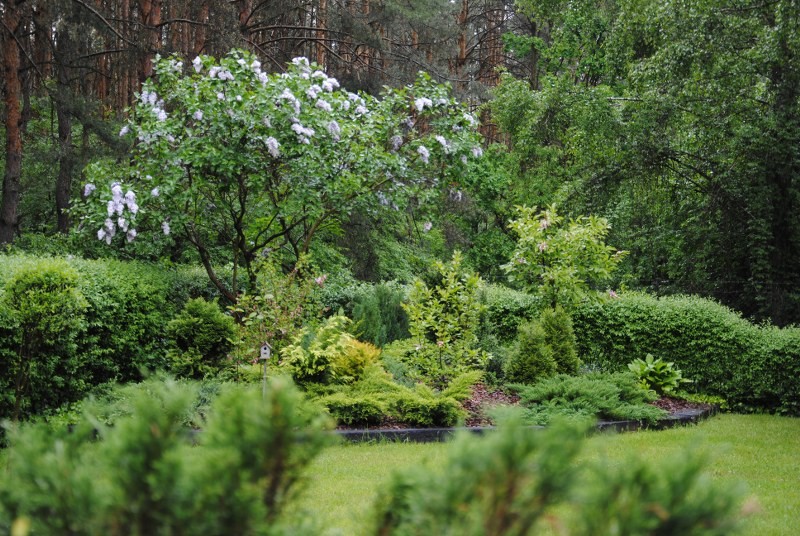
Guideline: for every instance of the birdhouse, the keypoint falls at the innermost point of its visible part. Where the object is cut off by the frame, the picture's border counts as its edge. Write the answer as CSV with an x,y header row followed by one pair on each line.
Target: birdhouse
x,y
266,351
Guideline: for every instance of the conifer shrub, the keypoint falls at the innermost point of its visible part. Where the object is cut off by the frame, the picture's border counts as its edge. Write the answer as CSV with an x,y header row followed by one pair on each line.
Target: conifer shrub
x,y
522,481
379,315
356,408
596,396
148,474
423,407
349,365
376,397
532,357
544,347
560,336
461,387
200,338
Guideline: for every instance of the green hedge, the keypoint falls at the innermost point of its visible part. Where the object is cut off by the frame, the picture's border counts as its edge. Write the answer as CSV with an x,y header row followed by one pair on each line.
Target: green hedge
x,y
505,309
756,368
129,306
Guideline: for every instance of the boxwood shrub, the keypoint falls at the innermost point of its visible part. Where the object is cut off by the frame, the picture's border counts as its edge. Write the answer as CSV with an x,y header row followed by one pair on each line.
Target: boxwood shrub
x,y
754,367
505,309
128,307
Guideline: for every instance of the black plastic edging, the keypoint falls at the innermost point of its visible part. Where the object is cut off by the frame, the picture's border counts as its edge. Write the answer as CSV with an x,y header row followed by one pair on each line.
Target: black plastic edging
x,y
432,435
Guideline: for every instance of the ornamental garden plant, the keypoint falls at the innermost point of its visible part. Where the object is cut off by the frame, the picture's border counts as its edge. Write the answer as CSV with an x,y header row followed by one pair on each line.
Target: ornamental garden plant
x,y
227,158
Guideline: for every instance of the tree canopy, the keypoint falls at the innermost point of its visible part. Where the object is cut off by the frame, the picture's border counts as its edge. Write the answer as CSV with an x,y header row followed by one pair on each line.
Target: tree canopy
x,y
227,155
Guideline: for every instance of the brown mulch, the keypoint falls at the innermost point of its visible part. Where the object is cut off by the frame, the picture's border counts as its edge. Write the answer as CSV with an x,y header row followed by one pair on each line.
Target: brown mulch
x,y
481,400
675,405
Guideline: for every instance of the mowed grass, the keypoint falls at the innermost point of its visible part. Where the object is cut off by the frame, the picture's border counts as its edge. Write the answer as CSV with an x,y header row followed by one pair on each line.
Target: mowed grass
x,y
760,452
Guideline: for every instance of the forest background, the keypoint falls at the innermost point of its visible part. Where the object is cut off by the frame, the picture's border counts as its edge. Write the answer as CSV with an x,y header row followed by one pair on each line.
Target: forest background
x,y
677,120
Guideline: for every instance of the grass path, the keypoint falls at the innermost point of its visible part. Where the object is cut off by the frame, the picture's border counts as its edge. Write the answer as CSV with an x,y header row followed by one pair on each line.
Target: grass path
x,y
760,451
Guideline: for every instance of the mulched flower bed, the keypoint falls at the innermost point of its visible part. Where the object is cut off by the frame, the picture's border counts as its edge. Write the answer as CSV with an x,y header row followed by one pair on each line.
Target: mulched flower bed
x,y
484,398
676,405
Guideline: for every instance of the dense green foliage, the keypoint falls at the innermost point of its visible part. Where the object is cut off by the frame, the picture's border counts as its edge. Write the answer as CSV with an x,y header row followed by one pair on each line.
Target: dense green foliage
x,y
443,321
200,338
379,315
377,398
754,367
143,475
111,326
560,261
45,315
669,133
677,124
518,481
545,346
504,310
616,397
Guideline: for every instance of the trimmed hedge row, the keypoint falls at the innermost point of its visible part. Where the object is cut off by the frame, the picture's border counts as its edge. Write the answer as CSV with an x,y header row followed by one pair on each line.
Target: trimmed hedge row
x,y
754,367
128,307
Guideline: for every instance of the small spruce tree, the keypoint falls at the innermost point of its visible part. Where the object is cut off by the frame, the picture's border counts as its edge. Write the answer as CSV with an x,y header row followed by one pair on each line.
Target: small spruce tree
x,y
560,336
532,356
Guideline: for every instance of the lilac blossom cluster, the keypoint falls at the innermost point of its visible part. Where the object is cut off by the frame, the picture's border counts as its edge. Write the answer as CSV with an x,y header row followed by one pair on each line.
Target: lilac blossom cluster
x,y
116,215
115,209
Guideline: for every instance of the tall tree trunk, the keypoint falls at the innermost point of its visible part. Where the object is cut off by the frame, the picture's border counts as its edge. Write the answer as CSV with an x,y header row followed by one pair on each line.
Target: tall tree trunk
x,y
321,25
66,153
245,10
13,91
199,44
125,77
151,23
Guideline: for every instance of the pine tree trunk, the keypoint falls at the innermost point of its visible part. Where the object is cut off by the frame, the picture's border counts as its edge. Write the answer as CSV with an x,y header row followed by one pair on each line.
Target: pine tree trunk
x,y
13,91
151,22
200,31
66,154
322,11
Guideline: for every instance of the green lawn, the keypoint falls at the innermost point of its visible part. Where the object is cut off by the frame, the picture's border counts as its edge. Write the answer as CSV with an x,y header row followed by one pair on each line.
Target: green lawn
x,y
760,451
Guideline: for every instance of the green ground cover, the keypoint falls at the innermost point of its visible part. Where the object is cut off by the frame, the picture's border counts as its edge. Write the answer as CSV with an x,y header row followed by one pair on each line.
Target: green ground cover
x,y
757,451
